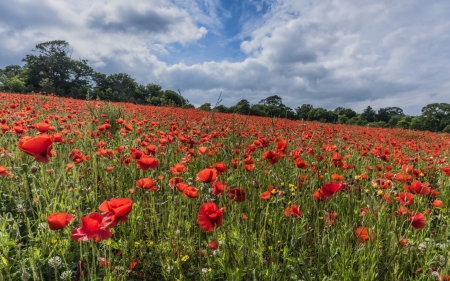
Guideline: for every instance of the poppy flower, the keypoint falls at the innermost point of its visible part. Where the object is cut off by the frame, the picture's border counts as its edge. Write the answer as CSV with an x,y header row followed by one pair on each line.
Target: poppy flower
x,y
220,167
266,195
382,183
330,218
329,189
417,220
178,168
405,198
173,181
318,195
237,194
190,192
292,211
207,175
437,203
300,163
446,170
4,171
219,187
146,162
59,220
91,227
209,216
417,187
40,147
115,210
213,245
147,183
181,186
363,235
43,127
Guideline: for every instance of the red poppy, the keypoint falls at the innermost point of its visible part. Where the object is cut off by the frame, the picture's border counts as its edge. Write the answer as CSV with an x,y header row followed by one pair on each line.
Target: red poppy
x,y
40,147
382,183
190,192
178,168
207,175
330,189
115,210
133,263
300,163
4,171
363,235
209,216
146,162
405,198
417,220
220,167
446,170
219,187
173,181
91,227
437,204
417,187
59,220
330,218
213,245
237,194
147,183
266,195
292,211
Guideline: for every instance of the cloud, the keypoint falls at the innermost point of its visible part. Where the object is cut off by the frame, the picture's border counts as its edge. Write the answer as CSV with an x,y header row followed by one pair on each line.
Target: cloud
x,y
326,53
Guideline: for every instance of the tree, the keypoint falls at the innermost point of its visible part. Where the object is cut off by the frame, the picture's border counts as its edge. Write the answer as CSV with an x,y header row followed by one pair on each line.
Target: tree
x,y
386,113
303,111
67,77
272,100
369,114
436,116
205,106
242,107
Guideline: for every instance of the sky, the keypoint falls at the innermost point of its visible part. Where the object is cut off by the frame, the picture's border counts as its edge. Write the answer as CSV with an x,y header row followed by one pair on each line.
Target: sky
x,y
327,53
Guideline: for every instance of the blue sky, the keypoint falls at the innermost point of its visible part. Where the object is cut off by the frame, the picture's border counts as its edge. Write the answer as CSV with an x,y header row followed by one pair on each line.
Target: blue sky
x,y
327,53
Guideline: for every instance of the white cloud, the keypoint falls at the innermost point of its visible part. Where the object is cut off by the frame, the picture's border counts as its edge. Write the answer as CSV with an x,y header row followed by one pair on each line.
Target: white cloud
x,y
327,53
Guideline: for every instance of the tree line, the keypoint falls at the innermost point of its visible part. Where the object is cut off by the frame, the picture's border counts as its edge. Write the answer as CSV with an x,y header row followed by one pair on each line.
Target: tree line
x,y
52,70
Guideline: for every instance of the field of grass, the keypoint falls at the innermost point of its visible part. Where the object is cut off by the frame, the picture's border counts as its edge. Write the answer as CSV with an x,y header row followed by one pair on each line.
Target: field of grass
x,y
97,191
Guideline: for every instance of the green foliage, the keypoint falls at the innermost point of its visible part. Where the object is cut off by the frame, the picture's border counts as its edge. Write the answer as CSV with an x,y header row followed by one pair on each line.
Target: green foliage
x,y
205,106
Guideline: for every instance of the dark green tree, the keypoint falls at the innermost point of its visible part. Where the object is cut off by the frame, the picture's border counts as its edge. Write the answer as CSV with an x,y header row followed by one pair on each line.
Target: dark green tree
x,y
303,111
369,114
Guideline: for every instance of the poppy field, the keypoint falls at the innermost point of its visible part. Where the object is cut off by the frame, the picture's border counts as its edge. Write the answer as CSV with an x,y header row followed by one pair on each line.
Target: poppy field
x,y
92,190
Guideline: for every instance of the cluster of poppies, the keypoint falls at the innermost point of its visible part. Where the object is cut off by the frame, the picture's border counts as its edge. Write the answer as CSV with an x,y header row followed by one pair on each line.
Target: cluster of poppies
x,y
95,225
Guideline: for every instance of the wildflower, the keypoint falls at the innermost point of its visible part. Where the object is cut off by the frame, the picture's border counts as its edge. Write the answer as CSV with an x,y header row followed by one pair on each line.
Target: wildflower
x,y
115,210
330,189
437,204
54,262
59,220
209,216
4,171
405,198
207,175
363,235
219,187
266,195
66,275
292,211
213,245
147,162
91,228
417,220
147,183
40,147
237,194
